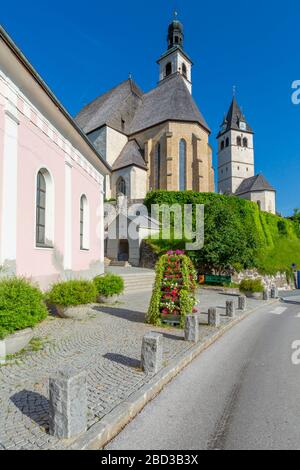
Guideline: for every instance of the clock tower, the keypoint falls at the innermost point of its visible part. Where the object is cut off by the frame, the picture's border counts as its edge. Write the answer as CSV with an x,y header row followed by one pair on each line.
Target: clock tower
x,y
175,60
235,150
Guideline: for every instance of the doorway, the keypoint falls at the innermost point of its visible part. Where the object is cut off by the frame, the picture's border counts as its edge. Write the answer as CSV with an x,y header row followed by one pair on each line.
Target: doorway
x,y
123,254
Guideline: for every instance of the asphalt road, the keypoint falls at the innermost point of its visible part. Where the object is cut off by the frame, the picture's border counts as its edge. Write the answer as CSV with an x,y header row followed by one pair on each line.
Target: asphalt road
x,y
242,393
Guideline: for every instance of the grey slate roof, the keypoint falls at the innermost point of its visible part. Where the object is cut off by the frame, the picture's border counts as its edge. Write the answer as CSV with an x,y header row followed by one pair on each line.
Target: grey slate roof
x,y
233,118
255,183
120,103
130,155
169,101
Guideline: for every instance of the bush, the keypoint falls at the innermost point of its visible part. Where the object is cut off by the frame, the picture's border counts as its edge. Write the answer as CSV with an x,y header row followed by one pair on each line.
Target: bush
x,y
21,305
72,293
251,285
109,285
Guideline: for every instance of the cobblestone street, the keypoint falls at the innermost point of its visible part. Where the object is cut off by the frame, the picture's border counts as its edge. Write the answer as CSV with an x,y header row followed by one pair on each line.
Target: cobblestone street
x,y
107,345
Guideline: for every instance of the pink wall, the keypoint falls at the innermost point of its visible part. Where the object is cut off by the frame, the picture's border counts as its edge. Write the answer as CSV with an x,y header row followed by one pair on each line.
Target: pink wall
x,y
36,151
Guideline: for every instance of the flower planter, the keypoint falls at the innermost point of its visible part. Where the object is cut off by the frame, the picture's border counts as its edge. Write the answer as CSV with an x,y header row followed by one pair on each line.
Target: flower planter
x,y
79,312
254,295
15,343
172,319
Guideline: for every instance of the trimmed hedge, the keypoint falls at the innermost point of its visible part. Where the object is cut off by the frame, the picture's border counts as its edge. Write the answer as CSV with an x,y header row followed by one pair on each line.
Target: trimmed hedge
x,y
72,293
109,285
238,235
251,285
21,305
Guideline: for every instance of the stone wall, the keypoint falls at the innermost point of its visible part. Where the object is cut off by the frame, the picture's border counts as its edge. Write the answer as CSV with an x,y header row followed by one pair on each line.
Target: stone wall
x,y
279,280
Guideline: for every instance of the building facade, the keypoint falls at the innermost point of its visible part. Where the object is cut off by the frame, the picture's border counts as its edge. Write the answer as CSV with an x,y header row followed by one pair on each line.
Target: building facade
x,y
52,181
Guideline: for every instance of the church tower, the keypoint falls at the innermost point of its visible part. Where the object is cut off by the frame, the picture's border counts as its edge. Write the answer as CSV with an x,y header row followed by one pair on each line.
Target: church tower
x,y
235,150
175,60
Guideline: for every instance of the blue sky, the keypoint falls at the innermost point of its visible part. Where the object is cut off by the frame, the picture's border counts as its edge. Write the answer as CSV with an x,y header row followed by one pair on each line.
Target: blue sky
x,y
83,49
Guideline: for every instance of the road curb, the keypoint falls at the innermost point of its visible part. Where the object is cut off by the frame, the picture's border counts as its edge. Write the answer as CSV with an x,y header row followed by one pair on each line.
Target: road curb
x,y
100,434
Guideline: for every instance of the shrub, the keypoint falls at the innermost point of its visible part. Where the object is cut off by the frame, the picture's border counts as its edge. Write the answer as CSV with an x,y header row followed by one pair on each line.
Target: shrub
x,y
251,285
21,305
72,293
109,285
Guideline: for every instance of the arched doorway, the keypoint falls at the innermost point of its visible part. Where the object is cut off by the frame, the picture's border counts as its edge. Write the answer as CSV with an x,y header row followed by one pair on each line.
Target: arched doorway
x,y
123,254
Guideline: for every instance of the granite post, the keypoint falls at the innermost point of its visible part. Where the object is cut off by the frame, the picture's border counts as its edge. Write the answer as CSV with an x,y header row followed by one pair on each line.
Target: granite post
x,y
68,403
152,352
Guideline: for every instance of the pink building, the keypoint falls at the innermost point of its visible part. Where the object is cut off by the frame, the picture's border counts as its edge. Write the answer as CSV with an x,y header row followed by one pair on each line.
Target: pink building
x,y
51,181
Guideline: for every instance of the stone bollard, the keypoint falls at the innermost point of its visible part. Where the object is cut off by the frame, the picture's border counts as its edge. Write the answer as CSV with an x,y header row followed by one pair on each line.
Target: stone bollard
x,y
242,302
191,332
230,309
274,293
68,403
266,294
213,317
152,352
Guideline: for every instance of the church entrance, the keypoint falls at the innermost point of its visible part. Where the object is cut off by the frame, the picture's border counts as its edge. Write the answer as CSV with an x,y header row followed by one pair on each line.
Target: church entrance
x,y
123,254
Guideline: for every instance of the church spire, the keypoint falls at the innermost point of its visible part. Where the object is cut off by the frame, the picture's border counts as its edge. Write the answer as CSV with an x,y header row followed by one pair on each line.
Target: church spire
x,y
175,33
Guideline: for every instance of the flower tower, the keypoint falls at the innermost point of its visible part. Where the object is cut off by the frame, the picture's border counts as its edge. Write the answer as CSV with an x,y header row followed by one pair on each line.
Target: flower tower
x,y
174,291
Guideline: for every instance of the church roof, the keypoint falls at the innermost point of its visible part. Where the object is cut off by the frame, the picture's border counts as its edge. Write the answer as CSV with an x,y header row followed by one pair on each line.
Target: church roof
x,y
117,105
233,118
130,155
255,183
169,101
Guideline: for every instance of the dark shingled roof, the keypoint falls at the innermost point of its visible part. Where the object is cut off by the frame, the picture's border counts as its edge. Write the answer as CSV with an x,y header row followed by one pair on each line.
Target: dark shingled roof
x,y
169,101
130,155
120,103
233,118
255,183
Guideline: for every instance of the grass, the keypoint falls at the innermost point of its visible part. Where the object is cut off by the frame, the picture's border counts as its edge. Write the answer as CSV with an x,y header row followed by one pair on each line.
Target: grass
x,y
280,257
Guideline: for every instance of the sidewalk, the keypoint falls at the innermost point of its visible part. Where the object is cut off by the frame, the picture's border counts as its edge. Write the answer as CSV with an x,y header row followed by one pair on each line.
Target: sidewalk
x,y
107,346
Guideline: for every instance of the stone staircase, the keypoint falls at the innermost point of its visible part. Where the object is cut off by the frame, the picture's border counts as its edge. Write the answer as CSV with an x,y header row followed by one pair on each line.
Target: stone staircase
x,y
135,279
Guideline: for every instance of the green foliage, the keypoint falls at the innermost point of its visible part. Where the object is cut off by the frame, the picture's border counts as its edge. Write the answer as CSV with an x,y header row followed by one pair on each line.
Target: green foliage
x,y
238,235
72,293
109,285
21,305
251,285
174,287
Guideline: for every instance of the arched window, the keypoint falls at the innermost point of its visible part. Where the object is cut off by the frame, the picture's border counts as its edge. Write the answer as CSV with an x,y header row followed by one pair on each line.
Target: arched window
x,y
227,142
222,145
245,142
239,141
157,162
44,209
84,223
184,70
121,186
168,69
182,165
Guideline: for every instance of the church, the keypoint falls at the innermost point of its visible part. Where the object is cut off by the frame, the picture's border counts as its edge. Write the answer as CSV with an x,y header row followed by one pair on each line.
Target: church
x,y
154,140
160,139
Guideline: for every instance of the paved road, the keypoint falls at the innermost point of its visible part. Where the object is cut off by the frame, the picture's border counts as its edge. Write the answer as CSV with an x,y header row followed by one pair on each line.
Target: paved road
x,y
242,393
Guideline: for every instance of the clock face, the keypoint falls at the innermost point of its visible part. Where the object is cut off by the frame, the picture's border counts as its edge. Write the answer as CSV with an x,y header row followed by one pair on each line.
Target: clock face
x,y
243,125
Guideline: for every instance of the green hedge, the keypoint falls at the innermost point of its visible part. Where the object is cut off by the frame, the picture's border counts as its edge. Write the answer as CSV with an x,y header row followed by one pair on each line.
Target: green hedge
x,y
72,293
251,285
237,234
21,305
109,285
